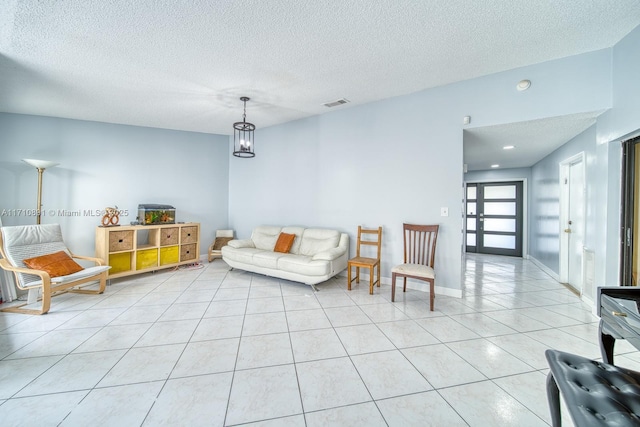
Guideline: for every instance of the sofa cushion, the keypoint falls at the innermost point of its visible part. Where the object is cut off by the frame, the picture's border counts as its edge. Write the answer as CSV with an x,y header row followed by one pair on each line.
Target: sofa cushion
x,y
56,264
240,254
265,237
302,264
316,240
266,259
284,243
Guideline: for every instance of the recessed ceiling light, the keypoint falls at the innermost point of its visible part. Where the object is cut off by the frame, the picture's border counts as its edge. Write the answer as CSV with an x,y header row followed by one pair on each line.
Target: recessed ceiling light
x,y
523,85
508,147
495,166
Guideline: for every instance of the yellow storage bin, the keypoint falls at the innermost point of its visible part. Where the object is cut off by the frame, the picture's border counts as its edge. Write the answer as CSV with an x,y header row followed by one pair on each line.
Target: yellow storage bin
x,y
169,255
120,262
146,258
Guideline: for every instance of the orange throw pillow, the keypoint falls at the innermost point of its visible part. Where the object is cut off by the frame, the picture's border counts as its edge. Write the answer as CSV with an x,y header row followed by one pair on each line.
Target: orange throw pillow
x,y
56,264
284,243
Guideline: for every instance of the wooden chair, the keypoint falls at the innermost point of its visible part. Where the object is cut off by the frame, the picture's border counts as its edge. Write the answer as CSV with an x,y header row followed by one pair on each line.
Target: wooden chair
x,y
419,257
28,241
365,262
222,238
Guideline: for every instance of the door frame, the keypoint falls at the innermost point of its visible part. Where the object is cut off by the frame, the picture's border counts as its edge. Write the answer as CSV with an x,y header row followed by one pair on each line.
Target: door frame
x,y
564,214
627,208
525,212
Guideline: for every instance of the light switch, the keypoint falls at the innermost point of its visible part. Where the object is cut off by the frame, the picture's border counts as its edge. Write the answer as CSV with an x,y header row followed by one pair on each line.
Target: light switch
x,y
444,211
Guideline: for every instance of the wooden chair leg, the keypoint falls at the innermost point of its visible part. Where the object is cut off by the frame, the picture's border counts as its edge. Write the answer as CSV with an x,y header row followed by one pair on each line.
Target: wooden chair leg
x,y
393,286
379,275
432,295
349,277
357,274
404,287
371,280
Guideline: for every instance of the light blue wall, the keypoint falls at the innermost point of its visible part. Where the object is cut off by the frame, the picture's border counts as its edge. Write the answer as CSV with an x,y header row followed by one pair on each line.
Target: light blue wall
x,y
400,159
623,118
544,244
104,165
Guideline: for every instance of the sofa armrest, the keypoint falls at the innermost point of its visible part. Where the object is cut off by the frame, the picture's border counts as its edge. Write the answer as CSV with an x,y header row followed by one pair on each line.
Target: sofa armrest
x,y
329,255
238,244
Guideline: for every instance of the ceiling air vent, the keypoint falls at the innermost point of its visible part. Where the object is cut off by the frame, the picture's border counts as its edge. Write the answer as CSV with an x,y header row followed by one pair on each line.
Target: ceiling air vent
x,y
336,103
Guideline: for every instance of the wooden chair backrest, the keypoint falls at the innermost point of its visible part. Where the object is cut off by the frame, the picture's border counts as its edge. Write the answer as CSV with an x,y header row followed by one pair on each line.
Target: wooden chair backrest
x,y
369,240
420,244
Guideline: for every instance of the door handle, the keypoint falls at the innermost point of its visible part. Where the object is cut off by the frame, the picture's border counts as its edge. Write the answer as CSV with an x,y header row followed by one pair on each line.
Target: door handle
x,y
567,230
618,313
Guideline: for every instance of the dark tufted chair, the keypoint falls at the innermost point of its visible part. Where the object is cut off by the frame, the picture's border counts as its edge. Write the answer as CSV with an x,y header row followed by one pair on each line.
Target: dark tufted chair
x,y
596,394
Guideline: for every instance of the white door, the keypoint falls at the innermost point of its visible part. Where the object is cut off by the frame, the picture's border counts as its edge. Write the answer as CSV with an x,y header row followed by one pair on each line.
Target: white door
x,y
574,225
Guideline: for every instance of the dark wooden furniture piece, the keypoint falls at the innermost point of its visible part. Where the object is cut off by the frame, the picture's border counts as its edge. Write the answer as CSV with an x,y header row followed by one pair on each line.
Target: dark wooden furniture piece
x,y
619,311
596,394
366,262
419,258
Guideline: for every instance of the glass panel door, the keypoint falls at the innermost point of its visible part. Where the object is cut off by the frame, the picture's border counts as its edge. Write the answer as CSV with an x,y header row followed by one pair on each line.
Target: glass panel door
x,y
494,218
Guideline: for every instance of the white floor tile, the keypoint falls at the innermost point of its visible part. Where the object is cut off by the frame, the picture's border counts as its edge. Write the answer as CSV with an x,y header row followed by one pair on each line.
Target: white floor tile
x,y
264,350
44,411
115,406
418,410
316,344
207,357
363,414
485,404
389,374
74,372
193,401
144,364
441,366
330,383
263,393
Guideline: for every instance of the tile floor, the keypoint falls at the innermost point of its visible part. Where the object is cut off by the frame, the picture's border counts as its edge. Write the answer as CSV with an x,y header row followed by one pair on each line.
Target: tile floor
x,y
211,347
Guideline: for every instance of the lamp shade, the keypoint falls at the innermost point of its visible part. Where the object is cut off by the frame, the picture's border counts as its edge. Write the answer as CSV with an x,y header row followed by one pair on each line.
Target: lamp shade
x,y
40,164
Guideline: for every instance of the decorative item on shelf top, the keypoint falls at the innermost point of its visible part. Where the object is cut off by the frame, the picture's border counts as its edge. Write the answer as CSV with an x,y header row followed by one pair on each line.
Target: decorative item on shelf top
x,y
243,135
111,217
156,214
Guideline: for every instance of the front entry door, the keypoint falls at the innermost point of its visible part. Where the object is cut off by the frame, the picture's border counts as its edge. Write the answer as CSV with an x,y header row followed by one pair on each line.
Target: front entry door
x,y
494,218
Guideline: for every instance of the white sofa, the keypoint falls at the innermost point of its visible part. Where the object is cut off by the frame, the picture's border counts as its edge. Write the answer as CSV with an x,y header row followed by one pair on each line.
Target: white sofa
x,y
316,255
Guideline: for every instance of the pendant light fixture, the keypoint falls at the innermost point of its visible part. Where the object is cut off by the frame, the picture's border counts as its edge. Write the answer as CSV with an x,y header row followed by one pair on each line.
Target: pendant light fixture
x,y
243,135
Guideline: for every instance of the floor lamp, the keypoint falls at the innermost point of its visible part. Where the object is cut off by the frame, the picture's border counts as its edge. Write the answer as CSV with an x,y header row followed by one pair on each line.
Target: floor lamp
x,y
41,165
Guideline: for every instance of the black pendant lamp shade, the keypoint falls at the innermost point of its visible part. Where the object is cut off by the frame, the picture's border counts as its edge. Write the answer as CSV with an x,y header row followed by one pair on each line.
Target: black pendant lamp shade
x,y
243,135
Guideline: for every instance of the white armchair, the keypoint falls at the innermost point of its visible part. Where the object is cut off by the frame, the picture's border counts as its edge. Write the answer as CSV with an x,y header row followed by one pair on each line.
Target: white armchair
x,y
19,243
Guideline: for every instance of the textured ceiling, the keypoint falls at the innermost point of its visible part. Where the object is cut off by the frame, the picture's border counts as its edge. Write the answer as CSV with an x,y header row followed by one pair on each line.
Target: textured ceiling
x,y
184,64
532,140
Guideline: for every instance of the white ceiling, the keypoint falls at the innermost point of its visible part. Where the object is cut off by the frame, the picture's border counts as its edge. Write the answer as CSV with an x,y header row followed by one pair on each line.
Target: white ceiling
x,y
184,64
532,140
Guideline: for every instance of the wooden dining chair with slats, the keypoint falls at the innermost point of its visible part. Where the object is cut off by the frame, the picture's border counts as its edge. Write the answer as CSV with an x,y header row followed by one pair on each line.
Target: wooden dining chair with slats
x,y
419,258
366,237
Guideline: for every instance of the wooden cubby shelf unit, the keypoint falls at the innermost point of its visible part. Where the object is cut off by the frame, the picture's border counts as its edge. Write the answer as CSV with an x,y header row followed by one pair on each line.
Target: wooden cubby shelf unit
x,y
142,248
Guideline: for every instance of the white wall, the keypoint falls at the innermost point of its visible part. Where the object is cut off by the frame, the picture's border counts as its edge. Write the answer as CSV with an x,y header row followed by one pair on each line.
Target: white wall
x,y
104,165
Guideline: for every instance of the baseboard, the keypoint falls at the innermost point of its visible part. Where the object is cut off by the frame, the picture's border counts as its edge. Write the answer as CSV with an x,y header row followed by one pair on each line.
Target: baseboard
x,y
411,284
544,268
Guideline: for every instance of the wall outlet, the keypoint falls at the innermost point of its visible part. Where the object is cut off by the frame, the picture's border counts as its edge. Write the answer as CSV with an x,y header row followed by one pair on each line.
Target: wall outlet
x,y
444,211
